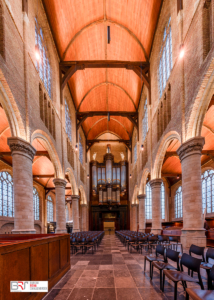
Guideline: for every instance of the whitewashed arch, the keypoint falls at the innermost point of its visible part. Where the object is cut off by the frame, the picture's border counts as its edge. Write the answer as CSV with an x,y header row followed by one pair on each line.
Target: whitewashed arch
x,y
142,189
170,136
72,181
83,195
46,141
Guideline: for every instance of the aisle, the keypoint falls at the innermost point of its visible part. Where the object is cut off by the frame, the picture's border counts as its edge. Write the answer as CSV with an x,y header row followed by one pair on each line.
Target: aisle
x,y
112,273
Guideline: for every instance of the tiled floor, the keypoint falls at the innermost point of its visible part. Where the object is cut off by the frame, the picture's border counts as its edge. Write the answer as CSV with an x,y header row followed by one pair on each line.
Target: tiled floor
x,y
112,273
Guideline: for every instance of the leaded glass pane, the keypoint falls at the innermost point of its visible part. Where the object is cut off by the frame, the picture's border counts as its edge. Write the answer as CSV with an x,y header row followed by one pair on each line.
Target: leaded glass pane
x,y
35,203
178,203
80,149
49,209
145,121
162,201
6,195
208,191
68,128
148,202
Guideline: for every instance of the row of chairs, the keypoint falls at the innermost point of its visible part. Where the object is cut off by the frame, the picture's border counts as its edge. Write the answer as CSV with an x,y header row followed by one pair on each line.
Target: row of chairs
x,y
147,241
85,241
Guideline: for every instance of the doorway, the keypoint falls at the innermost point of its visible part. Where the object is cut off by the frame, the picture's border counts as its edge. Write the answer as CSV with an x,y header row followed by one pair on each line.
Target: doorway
x,y
109,227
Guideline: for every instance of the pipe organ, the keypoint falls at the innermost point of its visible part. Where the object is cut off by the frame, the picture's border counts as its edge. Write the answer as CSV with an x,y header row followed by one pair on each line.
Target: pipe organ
x,y
109,179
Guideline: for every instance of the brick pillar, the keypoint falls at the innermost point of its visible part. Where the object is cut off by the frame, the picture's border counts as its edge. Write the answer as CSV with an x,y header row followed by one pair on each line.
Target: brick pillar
x,y
156,205
134,217
23,154
142,217
84,217
75,212
60,205
193,231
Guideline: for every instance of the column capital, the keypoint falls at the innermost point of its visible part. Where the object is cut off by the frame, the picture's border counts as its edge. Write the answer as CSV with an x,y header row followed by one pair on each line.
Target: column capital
x,y
59,182
75,197
141,197
22,147
191,147
134,205
155,183
83,205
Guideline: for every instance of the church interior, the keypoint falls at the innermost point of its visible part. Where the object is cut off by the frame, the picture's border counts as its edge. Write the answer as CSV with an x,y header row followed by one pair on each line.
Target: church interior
x,y
106,149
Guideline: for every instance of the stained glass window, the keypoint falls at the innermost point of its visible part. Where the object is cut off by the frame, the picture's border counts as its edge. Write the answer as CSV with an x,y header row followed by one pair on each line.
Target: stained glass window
x,y
165,64
80,149
6,195
67,213
43,66
178,203
68,127
208,191
35,203
145,121
148,202
163,201
49,209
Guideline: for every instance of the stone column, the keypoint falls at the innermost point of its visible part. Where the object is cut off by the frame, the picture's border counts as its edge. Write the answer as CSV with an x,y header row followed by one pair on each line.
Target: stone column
x,y
142,217
134,217
84,217
70,212
22,154
75,212
156,205
60,205
193,231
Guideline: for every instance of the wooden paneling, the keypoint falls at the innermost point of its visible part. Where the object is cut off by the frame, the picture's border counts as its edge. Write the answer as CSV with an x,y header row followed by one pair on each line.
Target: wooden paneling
x,y
30,258
54,258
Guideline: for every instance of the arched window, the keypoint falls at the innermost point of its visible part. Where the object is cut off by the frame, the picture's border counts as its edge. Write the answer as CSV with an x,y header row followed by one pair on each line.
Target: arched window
x,y
6,195
49,209
35,203
208,191
163,201
145,121
135,148
68,128
43,65
148,202
67,213
178,203
80,149
165,64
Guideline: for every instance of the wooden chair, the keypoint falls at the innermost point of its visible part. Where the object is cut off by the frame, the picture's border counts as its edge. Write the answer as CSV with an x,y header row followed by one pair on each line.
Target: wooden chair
x,y
160,250
192,264
207,266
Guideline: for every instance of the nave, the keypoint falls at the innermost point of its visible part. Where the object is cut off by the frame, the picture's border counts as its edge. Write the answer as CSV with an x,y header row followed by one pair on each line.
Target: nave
x,y
115,273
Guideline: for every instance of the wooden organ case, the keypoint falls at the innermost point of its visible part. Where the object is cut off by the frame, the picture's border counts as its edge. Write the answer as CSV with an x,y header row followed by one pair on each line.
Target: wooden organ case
x,y
109,193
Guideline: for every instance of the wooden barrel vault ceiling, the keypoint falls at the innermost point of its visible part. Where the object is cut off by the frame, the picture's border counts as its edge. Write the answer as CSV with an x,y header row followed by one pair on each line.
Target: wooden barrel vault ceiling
x,y
79,29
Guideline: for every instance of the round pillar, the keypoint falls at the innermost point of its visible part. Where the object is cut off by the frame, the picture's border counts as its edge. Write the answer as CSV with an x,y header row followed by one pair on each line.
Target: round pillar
x,y
22,154
142,217
156,205
193,231
75,212
134,217
84,217
60,205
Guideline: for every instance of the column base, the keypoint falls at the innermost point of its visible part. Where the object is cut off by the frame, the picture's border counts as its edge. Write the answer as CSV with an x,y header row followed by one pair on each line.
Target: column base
x,y
191,236
23,231
76,230
58,230
156,231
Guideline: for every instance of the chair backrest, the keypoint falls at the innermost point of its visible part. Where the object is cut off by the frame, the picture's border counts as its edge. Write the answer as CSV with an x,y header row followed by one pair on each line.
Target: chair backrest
x,y
197,250
160,238
211,274
173,238
160,250
191,263
209,254
174,256
153,238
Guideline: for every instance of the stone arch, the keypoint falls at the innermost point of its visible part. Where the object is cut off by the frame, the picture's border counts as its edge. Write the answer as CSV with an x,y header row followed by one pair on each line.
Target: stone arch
x,y
41,135
134,197
142,189
170,136
201,104
11,110
72,181
83,195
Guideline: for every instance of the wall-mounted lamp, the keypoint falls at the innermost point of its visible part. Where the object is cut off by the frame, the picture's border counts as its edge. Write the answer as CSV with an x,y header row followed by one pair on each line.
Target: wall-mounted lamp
x,y
130,176
88,176
142,147
178,176
182,51
76,147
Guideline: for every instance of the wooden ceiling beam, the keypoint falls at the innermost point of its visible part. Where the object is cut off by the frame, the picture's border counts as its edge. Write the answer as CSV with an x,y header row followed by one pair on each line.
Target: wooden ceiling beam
x,y
90,143
170,175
